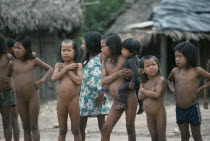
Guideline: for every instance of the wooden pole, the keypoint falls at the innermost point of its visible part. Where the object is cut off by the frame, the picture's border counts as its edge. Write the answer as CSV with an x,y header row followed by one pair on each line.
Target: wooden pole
x,y
163,55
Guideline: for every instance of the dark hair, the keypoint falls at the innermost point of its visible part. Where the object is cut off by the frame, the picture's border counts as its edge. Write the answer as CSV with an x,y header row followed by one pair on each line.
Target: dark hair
x,y
3,47
114,42
10,44
132,45
144,76
189,52
26,42
75,47
93,45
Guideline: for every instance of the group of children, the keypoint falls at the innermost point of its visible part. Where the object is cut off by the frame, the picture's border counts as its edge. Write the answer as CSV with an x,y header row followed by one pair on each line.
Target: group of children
x,y
121,70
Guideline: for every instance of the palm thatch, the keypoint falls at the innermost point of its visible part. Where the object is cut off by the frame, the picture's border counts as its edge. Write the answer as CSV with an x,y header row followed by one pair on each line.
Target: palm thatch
x,y
31,15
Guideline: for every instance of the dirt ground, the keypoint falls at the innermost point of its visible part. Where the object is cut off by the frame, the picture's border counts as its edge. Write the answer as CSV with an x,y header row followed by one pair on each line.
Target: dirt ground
x,y
49,132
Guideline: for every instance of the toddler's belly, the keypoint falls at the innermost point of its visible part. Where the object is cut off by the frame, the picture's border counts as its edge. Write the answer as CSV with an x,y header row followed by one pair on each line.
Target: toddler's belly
x,y
151,106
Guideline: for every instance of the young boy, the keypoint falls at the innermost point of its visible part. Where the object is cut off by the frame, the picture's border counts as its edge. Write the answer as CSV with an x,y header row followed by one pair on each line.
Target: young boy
x,y
7,99
187,77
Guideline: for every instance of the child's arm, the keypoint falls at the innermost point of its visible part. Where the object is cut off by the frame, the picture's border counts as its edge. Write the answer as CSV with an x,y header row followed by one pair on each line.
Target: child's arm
x,y
141,96
45,67
133,63
159,88
170,81
100,97
76,78
59,71
205,100
109,79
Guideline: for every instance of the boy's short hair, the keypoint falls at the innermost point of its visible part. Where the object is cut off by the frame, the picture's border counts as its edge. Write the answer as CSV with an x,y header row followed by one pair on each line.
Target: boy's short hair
x,y
189,52
132,45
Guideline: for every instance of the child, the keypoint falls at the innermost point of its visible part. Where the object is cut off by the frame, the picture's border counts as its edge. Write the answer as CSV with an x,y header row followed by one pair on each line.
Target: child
x,y
93,101
113,76
186,89
152,90
7,98
22,68
14,112
205,101
130,48
69,74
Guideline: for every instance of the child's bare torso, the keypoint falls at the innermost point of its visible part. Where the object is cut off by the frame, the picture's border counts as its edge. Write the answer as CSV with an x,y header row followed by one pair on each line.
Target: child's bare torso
x,y
24,75
152,106
186,85
4,61
67,90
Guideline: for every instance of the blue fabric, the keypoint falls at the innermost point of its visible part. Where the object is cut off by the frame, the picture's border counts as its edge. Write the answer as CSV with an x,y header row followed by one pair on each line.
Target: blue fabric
x,y
190,115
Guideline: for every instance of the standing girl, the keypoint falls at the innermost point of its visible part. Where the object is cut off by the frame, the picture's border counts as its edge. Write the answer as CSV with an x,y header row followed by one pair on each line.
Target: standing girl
x,y
93,101
22,69
152,91
69,74
186,89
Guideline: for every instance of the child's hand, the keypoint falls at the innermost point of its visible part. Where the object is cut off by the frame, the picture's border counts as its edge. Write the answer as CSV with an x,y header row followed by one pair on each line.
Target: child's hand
x,y
141,96
72,66
205,104
7,85
38,84
127,73
60,67
100,99
197,93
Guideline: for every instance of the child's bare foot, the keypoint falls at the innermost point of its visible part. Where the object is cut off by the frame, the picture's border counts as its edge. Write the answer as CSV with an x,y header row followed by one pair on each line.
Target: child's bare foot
x,y
131,85
121,107
140,111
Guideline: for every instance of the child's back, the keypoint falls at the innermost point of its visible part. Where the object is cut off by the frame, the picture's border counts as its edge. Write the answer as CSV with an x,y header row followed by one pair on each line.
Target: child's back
x,y
4,61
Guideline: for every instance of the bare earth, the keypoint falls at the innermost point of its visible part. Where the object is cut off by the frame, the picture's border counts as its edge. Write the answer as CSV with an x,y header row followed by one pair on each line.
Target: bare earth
x,y
49,131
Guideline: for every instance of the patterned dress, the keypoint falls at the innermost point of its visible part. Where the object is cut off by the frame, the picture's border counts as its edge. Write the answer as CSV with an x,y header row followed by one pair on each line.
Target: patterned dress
x,y
90,89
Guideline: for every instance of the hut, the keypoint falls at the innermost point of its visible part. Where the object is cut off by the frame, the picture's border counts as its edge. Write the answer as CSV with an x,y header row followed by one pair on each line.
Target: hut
x,y
47,22
166,23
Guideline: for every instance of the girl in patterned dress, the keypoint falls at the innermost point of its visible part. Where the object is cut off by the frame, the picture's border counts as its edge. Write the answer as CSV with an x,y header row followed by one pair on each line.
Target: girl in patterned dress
x,y
93,101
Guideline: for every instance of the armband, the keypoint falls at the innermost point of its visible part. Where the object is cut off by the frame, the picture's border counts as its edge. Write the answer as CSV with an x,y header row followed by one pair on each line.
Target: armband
x,y
103,90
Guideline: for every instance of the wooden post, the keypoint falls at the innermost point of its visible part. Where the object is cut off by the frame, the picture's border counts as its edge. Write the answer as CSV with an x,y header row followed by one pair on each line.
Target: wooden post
x,y
198,54
163,55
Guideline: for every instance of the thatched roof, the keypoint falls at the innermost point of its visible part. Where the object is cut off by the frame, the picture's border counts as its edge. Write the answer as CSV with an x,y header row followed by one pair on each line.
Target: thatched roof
x,y
140,11
31,15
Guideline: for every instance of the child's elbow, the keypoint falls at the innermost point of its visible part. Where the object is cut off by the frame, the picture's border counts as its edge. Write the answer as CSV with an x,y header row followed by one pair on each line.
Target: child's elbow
x,y
79,82
53,79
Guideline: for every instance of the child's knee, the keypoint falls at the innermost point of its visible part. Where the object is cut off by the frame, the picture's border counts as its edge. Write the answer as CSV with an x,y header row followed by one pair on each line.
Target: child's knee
x,y
130,128
63,131
75,131
197,137
106,130
185,136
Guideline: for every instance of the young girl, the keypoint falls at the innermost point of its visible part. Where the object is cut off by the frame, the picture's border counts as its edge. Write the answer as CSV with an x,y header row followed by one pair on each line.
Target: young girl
x,y
22,69
69,74
93,101
130,48
205,101
186,89
152,91
113,76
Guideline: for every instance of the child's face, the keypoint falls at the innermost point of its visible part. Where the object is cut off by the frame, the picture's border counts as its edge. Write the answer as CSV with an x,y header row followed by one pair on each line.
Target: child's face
x,y
83,46
19,50
126,53
105,49
180,59
150,67
67,51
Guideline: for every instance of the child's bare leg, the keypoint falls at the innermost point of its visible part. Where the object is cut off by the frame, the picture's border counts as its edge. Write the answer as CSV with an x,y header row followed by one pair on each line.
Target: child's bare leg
x,y
185,133
5,113
74,114
34,106
83,124
62,113
196,133
161,124
112,118
131,116
101,121
15,126
23,109
151,124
